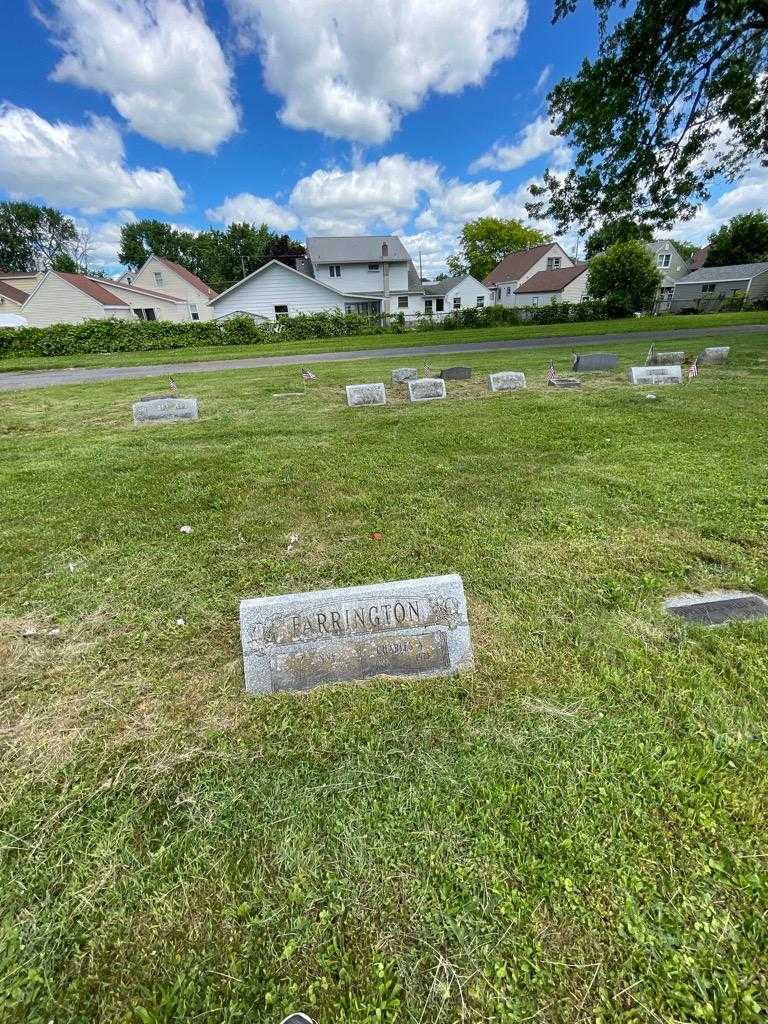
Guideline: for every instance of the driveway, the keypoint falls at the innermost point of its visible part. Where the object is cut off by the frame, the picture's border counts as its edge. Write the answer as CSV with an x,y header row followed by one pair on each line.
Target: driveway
x,y
22,381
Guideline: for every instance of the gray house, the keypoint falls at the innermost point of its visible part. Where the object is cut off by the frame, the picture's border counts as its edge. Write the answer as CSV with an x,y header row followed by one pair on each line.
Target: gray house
x,y
706,288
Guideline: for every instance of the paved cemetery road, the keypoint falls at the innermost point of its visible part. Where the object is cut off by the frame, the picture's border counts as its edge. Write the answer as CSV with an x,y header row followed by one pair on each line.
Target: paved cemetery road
x,y
49,378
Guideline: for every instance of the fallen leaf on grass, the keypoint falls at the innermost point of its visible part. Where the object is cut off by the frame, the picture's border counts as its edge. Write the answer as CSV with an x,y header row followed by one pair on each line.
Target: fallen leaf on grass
x,y
376,535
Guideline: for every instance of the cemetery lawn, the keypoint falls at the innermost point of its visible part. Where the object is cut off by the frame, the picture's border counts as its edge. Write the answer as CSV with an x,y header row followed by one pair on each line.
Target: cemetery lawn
x,y
377,341
575,832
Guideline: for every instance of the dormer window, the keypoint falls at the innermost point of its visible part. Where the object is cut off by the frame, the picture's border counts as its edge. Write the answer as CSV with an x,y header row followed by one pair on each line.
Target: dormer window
x,y
553,262
663,259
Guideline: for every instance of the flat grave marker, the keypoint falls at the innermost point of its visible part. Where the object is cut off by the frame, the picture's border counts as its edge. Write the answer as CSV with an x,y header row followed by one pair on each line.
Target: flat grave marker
x,y
590,362
714,356
403,374
366,394
564,382
415,628
426,389
649,376
506,380
717,607
456,373
164,409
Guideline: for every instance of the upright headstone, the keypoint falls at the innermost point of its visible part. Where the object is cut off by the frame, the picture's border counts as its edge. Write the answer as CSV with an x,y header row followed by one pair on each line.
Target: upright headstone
x,y
414,628
589,362
366,394
403,374
426,389
718,606
714,356
164,410
649,376
456,373
665,358
506,380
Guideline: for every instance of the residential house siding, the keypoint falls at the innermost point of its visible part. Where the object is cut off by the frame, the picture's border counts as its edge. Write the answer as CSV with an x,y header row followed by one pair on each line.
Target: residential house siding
x,y
276,285
55,301
173,284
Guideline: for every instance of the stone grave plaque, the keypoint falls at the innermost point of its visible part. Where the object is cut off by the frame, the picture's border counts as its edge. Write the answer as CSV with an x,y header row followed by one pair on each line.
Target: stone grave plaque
x,y
649,376
718,606
592,361
715,356
426,389
456,373
564,382
366,394
665,359
416,628
506,380
165,410
403,374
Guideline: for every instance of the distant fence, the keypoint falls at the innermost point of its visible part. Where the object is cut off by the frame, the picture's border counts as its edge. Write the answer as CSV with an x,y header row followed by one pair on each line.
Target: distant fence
x,y
708,304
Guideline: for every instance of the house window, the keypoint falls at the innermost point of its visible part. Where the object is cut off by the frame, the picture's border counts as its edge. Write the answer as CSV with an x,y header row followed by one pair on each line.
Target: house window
x,y
457,302
481,301
150,314
158,279
373,268
663,259
509,291
707,288
427,305
335,270
139,314
281,312
534,300
439,305
402,302
193,311
553,262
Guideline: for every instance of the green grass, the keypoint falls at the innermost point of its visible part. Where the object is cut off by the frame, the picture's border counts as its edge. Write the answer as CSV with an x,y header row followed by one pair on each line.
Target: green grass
x,y
575,832
374,341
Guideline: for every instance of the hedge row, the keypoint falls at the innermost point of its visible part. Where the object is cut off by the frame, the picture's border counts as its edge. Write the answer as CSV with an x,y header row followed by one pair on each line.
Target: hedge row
x,y
104,336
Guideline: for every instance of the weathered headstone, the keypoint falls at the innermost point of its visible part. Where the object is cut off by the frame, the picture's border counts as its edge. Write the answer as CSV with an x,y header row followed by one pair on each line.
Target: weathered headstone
x,y
564,382
715,356
366,394
665,358
164,410
506,380
649,376
403,374
413,628
426,389
588,362
718,606
456,373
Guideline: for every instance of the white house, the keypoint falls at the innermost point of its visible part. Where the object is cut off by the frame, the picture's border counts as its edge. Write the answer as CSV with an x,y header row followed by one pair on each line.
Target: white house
x,y
517,267
11,297
455,293
709,286
566,284
162,275
60,298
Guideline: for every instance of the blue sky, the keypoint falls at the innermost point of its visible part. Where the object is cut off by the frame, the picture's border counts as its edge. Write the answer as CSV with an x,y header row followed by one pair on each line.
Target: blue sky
x,y
317,116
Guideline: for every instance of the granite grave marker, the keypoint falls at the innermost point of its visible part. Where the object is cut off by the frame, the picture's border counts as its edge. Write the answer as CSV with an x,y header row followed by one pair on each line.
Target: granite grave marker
x,y
718,606
415,628
426,389
714,356
590,362
456,373
649,376
404,374
506,380
164,409
366,394
664,358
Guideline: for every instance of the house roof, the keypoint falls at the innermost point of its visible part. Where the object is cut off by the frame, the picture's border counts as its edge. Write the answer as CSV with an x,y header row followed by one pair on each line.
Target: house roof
x,y
15,294
699,258
551,280
356,249
189,277
92,288
738,272
151,293
515,264
443,287
292,270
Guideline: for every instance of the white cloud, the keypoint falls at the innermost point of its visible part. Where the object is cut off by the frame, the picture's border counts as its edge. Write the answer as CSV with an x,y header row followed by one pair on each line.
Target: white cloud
x,y
381,194
77,166
157,60
543,78
246,208
352,69
750,193
535,140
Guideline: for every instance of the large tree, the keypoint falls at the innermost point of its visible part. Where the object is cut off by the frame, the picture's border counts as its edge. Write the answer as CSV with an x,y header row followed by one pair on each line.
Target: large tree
x,y
219,257
744,239
486,241
37,238
677,94
616,231
626,276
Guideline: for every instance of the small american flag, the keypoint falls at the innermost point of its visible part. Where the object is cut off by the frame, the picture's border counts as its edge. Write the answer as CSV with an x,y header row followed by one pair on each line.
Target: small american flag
x,y
308,375
693,370
551,374
172,385
650,357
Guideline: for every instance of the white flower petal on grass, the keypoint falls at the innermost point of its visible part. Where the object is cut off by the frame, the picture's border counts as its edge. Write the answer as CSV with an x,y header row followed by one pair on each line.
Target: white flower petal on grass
x,y
185,529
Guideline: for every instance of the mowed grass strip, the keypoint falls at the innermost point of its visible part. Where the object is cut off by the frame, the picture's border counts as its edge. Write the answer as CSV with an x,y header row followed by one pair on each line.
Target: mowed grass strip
x,y
371,342
573,832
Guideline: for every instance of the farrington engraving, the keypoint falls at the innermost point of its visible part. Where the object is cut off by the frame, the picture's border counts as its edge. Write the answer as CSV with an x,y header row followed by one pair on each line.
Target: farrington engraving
x,y
406,628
